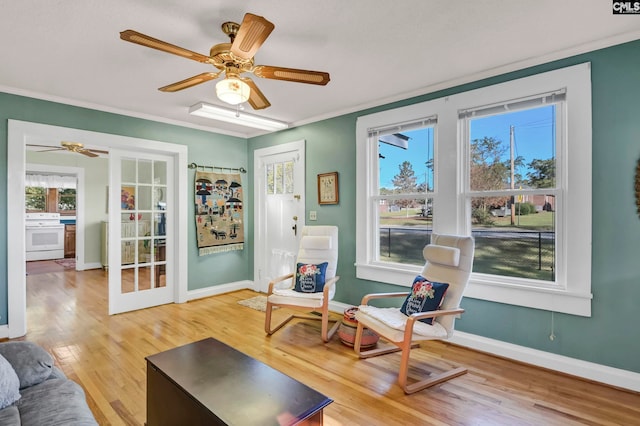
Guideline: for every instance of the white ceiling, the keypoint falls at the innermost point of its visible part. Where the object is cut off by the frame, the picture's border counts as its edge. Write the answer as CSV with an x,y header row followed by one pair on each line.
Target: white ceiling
x,y
375,50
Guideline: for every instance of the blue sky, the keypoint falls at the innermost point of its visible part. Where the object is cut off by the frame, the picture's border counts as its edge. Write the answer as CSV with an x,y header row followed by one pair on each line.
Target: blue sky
x,y
534,138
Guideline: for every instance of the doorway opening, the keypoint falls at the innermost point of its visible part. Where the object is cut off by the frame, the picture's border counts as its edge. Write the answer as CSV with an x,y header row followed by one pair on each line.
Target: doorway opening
x,y
22,133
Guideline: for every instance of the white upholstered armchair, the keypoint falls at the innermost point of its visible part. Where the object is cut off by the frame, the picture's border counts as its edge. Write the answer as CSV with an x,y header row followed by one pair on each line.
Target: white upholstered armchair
x,y
313,284
449,260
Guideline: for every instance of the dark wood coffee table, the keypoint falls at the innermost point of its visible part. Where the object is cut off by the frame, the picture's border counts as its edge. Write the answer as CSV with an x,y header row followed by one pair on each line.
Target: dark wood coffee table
x,y
210,383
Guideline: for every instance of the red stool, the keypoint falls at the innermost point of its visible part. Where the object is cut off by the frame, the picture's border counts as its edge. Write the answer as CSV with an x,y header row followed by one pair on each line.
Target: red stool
x,y
347,330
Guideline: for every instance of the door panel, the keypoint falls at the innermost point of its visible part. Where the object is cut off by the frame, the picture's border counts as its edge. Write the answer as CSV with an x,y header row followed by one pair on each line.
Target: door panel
x,y
280,210
141,239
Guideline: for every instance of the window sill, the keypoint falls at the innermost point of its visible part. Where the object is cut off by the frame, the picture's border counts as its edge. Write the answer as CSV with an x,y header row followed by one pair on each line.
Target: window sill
x,y
555,300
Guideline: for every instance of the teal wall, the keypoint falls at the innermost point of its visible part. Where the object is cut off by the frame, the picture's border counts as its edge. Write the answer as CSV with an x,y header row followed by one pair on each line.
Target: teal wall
x,y
204,148
611,336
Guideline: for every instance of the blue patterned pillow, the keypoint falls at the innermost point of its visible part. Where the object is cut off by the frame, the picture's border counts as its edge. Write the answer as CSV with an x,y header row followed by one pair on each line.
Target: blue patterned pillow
x,y
310,278
425,296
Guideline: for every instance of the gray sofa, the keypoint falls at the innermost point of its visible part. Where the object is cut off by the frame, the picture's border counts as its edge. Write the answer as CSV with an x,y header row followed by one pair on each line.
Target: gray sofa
x,y
35,392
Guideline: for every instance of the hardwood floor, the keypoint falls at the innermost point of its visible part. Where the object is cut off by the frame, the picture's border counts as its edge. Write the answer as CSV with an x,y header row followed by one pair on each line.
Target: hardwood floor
x,y
67,314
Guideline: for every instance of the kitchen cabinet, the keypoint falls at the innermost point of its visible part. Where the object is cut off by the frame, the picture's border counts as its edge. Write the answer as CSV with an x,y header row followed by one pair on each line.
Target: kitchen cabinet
x,y
70,240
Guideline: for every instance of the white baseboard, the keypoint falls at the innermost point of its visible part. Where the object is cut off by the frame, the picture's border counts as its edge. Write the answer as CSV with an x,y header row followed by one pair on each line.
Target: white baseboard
x,y
575,367
219,289
4,331
338,307
87,266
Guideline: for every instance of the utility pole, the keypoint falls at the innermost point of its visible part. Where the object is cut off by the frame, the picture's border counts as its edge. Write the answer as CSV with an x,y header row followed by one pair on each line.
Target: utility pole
x,y
512,134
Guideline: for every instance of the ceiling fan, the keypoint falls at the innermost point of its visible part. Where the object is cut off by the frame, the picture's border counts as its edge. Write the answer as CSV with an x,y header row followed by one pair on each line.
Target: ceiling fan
x,y
233,59
76,147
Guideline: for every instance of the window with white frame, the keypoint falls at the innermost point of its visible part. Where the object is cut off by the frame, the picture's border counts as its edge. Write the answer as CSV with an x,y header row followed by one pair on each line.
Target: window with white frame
x,y
511,158
509,164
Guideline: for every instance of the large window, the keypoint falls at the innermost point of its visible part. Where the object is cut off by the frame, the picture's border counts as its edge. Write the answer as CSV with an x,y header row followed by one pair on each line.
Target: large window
x,y
509,164
512,185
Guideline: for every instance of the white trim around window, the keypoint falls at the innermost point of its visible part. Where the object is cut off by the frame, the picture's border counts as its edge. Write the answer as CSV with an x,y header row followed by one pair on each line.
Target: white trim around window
x,y
571,292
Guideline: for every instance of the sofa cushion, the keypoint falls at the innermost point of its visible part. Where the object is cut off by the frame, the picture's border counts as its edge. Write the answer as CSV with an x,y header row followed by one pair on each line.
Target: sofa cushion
x,y
10,416
9,384
31,362
55,402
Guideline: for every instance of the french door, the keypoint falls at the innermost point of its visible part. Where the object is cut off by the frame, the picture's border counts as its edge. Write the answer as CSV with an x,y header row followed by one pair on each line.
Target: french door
x,y
140,231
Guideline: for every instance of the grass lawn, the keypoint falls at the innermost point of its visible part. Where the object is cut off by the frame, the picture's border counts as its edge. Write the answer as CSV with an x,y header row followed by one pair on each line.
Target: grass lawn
x,y
521,251
537,221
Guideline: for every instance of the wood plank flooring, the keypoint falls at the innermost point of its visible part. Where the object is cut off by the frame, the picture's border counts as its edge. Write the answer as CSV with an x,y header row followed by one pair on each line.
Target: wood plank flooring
x,y
67,314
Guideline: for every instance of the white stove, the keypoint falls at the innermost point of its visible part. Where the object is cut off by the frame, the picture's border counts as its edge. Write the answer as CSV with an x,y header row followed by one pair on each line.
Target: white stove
x,y
44,236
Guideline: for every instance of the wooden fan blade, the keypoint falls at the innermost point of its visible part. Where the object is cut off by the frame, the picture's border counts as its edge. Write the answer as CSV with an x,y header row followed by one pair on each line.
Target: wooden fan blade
x,y
144,40
98,151
87,153
190,82
257,100
50,148
291,74
253,31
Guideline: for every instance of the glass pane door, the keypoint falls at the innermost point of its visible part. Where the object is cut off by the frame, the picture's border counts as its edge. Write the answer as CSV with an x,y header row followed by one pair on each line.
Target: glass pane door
x,y
143,224
142,230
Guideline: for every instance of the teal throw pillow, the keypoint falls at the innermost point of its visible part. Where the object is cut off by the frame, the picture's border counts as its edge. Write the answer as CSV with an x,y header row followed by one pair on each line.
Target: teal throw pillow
x,y
310,278
425,296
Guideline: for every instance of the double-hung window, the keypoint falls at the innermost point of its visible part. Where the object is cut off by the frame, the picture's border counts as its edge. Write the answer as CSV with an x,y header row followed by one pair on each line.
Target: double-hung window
x,y
511,156
509,164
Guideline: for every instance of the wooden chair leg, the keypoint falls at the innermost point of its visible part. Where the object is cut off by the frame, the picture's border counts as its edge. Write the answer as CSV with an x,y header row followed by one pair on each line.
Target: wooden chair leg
x,y
267,320
371,352
327,333
432,381
380,350
422,384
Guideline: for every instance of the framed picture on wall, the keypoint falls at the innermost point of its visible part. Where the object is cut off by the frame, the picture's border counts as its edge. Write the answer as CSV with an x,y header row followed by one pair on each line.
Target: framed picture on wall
x,y
127,198
328,188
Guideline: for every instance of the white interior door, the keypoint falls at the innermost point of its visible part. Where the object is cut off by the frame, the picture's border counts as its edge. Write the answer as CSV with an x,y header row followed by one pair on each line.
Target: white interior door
x,y
140,232
280,210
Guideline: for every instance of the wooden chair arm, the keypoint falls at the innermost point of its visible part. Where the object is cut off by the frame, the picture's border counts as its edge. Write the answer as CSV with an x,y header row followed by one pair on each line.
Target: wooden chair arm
x,y
327,286
275,281
371,296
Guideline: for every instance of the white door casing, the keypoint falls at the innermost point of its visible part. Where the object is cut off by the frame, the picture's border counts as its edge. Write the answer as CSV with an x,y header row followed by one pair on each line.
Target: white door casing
x,y
279,210
21,133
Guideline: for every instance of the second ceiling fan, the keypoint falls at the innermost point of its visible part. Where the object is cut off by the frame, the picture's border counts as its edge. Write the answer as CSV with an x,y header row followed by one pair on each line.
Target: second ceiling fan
x,y
233,59
76,147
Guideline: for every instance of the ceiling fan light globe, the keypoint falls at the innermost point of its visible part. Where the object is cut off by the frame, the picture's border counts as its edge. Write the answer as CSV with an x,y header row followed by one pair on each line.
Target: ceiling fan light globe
x,y
232,90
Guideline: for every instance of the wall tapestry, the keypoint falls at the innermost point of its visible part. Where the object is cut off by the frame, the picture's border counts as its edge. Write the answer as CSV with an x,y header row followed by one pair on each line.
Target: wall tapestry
x,y
219,217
